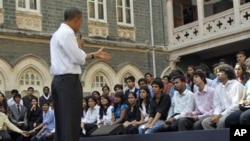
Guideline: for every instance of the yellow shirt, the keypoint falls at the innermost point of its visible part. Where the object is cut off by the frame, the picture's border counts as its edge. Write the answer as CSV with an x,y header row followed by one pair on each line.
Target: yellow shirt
x,y
4,120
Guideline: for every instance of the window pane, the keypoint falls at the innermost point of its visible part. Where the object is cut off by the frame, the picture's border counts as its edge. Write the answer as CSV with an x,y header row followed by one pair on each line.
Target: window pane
x,y
120,14
21,3
97,79
100,0
119,2
100,11
91,10
128,18
127,3
33,4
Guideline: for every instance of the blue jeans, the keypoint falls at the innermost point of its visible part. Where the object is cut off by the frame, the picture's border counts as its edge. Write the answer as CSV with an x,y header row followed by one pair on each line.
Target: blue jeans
x,y
39,138
150,130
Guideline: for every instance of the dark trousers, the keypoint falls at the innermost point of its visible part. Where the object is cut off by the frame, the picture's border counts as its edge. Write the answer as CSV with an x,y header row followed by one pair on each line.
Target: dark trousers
x,y
132,129
5,135
190,124
233,118
67,97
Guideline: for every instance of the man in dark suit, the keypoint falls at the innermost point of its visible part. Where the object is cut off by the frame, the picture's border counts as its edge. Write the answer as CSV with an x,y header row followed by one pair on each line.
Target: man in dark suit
x,y
130,81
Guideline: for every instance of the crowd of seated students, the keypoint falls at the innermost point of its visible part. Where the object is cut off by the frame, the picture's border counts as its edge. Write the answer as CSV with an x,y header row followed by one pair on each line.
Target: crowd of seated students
x,y
200,100
25,119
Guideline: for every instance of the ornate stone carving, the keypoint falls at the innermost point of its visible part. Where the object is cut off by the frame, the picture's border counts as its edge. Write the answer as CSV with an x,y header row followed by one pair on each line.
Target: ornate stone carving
x,y
125,32
173,61
1,15
29,20
98,29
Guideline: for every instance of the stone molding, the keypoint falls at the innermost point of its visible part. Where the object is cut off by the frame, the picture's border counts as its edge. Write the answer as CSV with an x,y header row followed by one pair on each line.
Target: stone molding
x,y
29,20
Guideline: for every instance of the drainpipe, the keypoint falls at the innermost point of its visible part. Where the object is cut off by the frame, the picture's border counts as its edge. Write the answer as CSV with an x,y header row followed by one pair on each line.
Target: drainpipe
x,y
152,37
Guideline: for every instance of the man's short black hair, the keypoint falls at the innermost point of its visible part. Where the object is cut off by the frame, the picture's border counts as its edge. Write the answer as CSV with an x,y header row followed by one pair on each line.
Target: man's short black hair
x,y
71,13
46,103
14,91
241,52
131,77
118,86
17,95
30,88
158,81
148,73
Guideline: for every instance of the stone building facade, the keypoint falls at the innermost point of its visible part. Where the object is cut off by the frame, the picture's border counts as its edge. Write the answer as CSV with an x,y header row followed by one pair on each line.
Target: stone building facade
x,y
27,25
141,35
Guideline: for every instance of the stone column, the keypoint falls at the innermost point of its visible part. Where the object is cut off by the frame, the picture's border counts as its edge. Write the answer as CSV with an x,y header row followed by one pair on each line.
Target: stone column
x,y
200,8
236,12
170,21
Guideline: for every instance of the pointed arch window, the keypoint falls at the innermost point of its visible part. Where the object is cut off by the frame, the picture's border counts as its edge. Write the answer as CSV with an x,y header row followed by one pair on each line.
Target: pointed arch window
x,y
99,80
30,77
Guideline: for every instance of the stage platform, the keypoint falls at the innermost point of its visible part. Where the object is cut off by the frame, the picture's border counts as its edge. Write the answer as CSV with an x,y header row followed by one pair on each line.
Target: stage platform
x,y
201,135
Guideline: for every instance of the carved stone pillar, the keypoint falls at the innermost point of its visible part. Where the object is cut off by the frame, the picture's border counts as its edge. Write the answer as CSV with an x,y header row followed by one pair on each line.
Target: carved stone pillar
x,y
173,61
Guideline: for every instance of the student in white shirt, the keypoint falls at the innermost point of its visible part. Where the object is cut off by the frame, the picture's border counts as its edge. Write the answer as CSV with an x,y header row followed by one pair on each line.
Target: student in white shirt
x,y
226,98
88,124
105,114
181,103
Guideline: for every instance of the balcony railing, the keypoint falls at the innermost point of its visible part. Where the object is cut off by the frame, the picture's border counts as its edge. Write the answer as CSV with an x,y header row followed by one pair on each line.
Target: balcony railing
x,y
217,25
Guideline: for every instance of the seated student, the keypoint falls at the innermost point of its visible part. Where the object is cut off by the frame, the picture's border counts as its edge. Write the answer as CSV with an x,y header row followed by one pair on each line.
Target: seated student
x,y
106,91
119,110
11,101
159,107
50,136
105,114
4,135
143,105
203,99
133,115
142,82
98,97
226,98
118,88
34,114
242,115
18,116
182,102
130,82
46,126
88,124
3,105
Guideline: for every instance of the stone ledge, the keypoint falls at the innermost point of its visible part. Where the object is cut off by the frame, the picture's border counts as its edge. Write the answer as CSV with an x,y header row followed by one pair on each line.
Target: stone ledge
x,y
29,20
